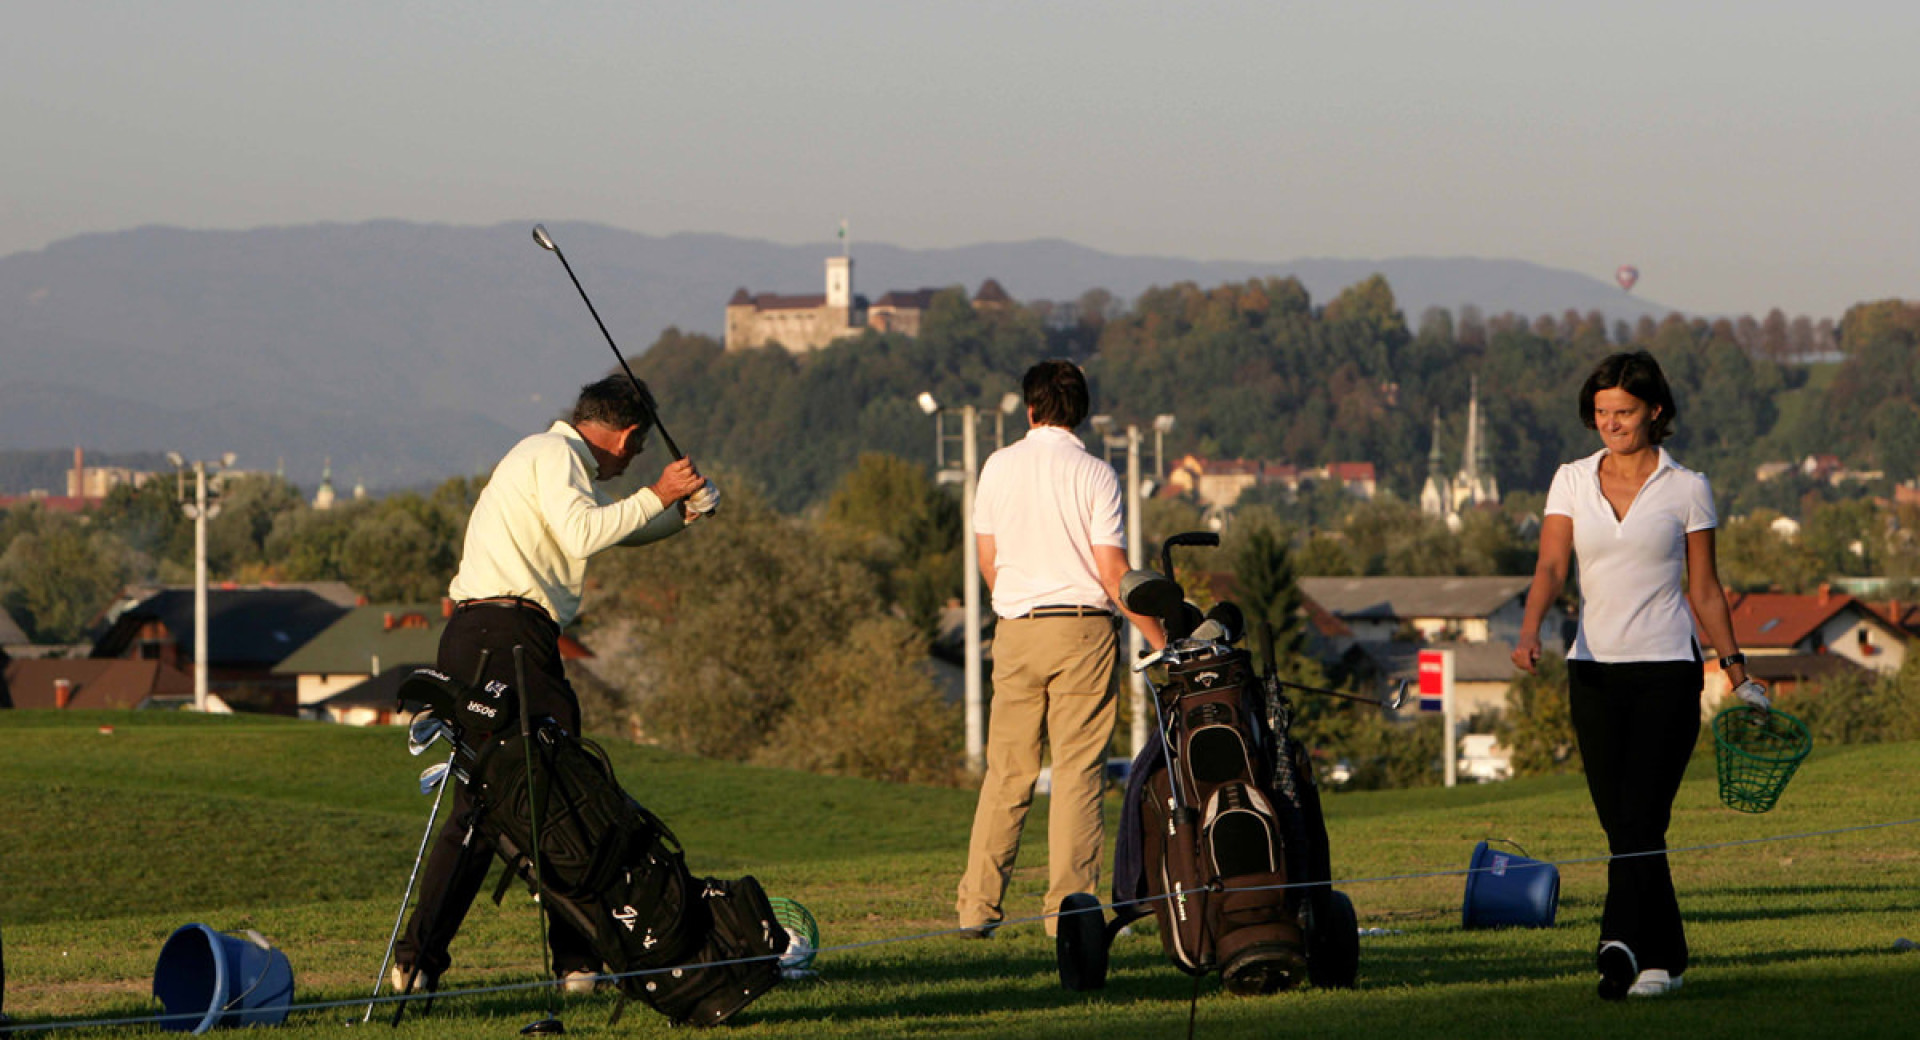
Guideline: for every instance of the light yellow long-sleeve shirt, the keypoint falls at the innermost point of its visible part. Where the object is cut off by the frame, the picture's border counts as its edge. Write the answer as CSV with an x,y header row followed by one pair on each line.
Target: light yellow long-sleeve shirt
x,y
542,515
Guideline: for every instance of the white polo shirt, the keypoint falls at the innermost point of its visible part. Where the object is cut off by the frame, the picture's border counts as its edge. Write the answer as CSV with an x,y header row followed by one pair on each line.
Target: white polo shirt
x,y
1632,607
542,514
1047,502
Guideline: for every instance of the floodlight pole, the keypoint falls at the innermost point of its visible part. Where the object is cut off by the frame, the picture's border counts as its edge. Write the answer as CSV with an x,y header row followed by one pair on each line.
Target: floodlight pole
x,y
970,556
1135,555
199,586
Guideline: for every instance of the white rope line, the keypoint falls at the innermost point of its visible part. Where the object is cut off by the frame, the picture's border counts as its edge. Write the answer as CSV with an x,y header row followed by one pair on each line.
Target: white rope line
x,y
361,1002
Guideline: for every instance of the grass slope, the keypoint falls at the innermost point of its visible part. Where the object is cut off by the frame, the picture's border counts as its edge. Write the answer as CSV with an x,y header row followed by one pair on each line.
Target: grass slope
x,y
306,832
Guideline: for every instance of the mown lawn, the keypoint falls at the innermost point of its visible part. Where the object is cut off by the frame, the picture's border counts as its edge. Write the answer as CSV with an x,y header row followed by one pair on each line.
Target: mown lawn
x,y
306,833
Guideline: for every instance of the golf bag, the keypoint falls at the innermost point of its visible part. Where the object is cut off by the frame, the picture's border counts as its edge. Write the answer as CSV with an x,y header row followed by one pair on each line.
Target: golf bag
x,y
696,950
1213,838
1221,834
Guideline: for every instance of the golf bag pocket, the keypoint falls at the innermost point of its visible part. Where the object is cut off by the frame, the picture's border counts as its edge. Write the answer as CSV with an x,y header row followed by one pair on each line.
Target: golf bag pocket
x,y
739,960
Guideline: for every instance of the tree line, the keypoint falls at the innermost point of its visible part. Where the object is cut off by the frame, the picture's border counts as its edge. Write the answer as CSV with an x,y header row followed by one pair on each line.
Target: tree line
x,y
798,627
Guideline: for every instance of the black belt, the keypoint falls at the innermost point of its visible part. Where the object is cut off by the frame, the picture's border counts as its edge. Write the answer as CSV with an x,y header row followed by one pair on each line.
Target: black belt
x,y
504,601
1047,612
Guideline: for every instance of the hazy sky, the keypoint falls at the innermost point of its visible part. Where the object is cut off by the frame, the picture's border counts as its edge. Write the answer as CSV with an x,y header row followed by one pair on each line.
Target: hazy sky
x,y
1744,155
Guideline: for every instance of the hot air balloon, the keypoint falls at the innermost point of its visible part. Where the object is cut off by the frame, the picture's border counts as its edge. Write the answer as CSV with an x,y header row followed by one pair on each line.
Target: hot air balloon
x,y
1626,276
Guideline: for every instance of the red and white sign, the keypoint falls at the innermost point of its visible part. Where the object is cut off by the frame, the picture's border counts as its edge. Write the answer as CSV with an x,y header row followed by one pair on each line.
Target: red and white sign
x,y
1436,679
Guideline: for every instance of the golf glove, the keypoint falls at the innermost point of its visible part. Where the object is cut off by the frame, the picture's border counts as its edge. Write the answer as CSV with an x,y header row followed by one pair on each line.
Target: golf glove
x,y
703,502
1753,695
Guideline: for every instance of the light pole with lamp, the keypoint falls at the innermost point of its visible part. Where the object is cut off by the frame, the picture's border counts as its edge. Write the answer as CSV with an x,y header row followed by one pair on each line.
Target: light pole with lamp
x,y
968,476
1130,442
201,512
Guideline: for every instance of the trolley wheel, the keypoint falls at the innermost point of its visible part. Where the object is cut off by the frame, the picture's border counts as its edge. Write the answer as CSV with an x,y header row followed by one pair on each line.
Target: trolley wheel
x,y
1333,940
1081,943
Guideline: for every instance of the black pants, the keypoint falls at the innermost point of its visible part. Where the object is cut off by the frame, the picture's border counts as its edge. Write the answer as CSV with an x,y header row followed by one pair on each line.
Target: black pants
x,y
1636,724
457,865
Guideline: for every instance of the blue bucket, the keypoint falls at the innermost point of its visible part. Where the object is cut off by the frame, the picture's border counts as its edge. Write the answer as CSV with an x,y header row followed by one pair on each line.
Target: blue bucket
x,y
1506,890
224,979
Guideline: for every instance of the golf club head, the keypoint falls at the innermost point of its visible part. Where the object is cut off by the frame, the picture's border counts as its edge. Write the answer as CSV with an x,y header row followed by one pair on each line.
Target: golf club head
x,y
548,1026
424,732
433,776
1399,695
1230,619
1210,631
1150,593
546,242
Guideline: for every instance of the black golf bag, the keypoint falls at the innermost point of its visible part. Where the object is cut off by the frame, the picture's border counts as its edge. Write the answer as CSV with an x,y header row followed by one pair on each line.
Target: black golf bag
x,y
1213,837
694,949
1221,835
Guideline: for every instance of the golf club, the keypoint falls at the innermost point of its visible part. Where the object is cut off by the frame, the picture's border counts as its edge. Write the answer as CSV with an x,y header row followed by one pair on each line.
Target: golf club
x,y
1392,703
423,732
547,243
550,1025
432,781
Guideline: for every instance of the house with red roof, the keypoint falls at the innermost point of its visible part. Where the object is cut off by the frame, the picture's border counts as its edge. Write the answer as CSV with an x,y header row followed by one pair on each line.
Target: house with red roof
x,y
1794,638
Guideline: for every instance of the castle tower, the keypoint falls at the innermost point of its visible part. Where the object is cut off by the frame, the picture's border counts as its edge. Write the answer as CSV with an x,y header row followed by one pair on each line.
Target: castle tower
x,y
840,282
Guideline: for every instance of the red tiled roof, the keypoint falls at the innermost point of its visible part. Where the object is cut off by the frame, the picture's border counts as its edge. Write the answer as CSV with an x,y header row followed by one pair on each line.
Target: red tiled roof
x,y
1780,620
1351,471
96,682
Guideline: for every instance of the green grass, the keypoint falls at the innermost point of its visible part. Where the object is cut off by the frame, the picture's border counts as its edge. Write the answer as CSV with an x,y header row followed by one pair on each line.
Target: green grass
x,y
306,832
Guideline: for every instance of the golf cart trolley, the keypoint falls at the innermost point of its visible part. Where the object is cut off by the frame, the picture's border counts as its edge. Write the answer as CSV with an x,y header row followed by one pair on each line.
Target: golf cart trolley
x,y
1221,835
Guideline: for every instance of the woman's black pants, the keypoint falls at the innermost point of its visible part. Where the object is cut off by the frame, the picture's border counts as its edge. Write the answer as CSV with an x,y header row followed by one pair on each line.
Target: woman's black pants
x,y
1637,723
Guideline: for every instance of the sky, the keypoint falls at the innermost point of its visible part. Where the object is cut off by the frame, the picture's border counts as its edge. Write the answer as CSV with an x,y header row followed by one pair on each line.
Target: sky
x,y
1743,155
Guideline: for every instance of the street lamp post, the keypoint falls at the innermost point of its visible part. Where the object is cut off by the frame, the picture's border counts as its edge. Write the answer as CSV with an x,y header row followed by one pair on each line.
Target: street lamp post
x,y
200,511
975,700
1113,443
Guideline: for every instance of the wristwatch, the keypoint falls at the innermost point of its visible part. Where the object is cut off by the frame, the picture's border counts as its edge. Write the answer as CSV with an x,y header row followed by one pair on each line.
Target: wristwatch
x,y
1732,659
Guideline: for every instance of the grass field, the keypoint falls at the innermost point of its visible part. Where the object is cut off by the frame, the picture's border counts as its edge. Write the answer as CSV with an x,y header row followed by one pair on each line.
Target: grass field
x,y
306,833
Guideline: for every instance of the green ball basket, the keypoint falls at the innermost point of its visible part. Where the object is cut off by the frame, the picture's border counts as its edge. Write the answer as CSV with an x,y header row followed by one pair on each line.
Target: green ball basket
x,y
1756,753
801,926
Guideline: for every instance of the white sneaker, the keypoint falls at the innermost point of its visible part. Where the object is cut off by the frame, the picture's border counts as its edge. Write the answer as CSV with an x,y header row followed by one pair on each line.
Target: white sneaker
x,y
1655,982
422,982
579,982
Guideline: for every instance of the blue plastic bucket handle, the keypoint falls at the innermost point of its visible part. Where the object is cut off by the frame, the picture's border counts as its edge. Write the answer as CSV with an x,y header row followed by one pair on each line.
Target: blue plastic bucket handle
x,y
1508,890
225,979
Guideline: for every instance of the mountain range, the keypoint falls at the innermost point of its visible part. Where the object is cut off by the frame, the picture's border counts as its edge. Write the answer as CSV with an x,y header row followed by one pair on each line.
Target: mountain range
x,y
407,353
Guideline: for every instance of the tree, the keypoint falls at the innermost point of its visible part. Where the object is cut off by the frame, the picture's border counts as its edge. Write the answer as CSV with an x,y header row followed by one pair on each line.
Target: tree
x,y
57,579
1537,726
1263,572
871,710
907,529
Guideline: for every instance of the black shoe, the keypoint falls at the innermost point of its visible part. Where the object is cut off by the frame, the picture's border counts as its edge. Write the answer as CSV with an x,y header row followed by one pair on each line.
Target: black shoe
x,y
1618,969
978,931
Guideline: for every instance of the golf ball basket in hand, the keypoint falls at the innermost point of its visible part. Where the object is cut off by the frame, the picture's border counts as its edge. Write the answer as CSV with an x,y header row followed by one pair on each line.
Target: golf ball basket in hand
x,y
1755,752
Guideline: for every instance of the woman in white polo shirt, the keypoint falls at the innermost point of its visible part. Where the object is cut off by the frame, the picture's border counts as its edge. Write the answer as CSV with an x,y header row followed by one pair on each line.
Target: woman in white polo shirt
x,y
1642,526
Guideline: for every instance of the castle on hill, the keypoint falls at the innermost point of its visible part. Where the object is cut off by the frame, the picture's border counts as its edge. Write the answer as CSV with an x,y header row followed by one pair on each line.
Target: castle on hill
x,y
809,322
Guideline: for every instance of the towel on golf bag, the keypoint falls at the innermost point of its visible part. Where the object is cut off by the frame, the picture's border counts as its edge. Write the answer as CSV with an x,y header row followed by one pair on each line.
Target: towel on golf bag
x,y
1222,853
615,870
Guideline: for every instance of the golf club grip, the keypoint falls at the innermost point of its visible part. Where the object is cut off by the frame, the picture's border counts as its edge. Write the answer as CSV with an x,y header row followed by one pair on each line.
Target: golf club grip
x,y
646,401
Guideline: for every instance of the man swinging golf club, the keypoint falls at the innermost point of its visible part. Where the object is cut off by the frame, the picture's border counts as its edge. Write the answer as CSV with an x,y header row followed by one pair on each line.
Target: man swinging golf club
x,y
554,501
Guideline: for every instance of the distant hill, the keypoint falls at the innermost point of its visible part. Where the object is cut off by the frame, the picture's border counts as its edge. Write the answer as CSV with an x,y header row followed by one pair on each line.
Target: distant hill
x,y
414,352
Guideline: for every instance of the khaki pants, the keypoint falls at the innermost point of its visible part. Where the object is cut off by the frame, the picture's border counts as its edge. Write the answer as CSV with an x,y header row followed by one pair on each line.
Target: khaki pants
x,y
1052,683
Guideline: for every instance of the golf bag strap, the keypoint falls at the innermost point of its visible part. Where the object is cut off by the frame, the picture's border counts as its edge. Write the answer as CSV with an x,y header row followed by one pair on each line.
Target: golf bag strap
x,y
500,889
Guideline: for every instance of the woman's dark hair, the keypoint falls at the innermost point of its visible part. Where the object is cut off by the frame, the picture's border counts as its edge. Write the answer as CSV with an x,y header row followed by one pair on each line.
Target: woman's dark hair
x,y
1057,393
1638,374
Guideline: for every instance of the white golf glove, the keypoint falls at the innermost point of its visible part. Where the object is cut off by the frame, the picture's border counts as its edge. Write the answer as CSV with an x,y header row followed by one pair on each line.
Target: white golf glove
x,y
703,502
1753,695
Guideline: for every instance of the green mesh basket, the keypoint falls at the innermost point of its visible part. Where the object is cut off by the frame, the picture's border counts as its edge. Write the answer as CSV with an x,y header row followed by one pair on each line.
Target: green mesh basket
x,y
803,934
1756,753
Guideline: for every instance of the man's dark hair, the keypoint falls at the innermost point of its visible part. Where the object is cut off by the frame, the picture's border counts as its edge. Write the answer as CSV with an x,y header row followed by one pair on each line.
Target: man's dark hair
x,y
615,402
1638,374
1057,393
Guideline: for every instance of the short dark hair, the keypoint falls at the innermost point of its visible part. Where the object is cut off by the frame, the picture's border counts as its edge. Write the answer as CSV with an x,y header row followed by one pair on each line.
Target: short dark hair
x,y
1057,393
1638,374
615,402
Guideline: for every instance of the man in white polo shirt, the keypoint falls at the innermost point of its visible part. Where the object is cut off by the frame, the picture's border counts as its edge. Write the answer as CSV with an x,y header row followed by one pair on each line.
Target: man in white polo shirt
x,y
555,500
1052,549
